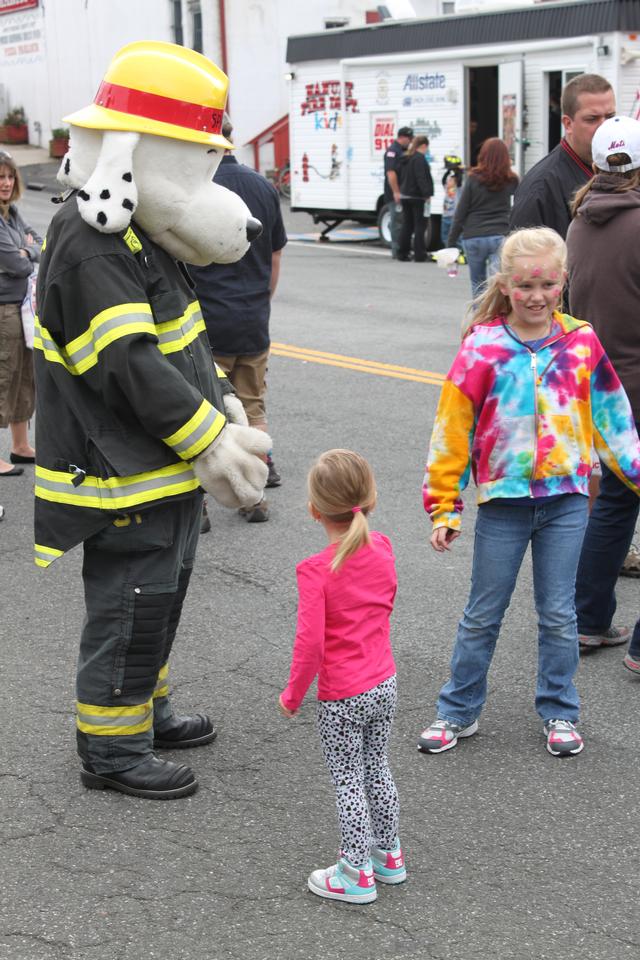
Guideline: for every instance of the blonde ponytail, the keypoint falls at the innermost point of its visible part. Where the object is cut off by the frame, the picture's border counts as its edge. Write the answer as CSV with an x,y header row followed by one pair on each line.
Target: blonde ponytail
x,y
343,490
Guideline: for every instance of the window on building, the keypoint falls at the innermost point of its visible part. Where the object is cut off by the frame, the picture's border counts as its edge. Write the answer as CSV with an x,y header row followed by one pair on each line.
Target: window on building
x,y
448,7
196,25
197,31
177,22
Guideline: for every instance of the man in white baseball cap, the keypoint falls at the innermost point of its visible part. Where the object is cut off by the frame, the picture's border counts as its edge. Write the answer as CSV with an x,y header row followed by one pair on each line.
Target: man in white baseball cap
x,y
604,278
615,136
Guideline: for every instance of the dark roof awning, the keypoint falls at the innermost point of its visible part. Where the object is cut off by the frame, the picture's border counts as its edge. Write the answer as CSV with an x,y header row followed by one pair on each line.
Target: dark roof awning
x,y
545,21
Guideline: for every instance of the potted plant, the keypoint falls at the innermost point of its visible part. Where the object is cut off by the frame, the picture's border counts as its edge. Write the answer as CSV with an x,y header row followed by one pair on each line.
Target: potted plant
x,y
59,143
14,127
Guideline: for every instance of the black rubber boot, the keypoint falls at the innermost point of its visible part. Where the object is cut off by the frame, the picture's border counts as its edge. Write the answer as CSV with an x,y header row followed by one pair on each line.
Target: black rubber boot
x,y
182,732
153,779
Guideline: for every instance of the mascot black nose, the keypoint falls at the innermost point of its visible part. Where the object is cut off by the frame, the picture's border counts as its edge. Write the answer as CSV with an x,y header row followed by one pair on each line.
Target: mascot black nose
x,y
254,229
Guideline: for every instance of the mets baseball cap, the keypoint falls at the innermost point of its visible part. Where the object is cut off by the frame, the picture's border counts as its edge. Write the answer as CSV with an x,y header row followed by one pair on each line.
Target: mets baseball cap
x,y
405,132
616,135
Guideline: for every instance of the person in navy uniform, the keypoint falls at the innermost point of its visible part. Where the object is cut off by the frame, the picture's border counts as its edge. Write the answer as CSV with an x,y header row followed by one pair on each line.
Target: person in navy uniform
x,y
392,196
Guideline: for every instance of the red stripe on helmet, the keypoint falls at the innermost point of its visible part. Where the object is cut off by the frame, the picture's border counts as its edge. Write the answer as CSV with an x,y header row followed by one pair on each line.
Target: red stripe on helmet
x,y
180,113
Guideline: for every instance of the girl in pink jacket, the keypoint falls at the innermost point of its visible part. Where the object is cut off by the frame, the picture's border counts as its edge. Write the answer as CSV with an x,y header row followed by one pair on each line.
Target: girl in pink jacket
x,y
346,595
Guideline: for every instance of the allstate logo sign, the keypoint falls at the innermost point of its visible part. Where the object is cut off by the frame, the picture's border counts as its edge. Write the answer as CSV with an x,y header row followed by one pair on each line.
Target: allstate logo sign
x,y
424,81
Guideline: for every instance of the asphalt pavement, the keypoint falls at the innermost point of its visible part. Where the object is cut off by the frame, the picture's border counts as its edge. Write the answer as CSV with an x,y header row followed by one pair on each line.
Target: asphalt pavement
x,y
512,854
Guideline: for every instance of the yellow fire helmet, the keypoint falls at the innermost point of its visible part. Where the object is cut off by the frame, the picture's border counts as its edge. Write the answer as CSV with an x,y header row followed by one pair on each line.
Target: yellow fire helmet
x,y
163,89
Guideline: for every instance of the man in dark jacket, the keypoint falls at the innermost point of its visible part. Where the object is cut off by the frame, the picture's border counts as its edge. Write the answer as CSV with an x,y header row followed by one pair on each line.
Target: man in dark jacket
x,y
416,186
604,270
392,197
544,196
236,300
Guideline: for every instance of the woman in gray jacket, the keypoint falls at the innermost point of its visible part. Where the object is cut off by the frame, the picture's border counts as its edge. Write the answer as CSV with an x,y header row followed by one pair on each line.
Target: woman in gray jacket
x,y
19,251
483,210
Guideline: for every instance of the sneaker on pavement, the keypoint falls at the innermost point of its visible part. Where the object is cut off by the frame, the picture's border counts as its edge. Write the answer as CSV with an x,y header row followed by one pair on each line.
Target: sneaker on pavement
x,y
256,514
345,882
612,637
443,735
563,740
274,479
388,865
631,565
631,663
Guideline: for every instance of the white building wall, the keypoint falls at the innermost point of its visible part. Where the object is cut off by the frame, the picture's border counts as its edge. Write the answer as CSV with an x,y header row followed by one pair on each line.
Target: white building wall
x,y
78,39
257,32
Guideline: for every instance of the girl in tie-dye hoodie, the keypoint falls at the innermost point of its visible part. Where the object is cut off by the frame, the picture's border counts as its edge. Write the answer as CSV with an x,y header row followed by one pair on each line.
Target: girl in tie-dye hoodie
x,y
528,393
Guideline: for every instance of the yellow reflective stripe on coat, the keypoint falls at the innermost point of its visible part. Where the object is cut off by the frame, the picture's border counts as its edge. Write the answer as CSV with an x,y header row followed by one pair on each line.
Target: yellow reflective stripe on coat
x,y
162,685
116,493
45,555
128,318
81,354
114,721
175,335
197,433
221,374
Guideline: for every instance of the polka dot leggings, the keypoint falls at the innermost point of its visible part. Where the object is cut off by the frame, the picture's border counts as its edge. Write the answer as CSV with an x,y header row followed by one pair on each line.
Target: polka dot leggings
x,y
355,734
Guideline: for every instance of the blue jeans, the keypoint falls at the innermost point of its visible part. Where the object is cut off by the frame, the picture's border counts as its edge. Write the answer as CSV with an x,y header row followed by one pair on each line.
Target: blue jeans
x,y
606,543
445,227
555,531
395,226
483,257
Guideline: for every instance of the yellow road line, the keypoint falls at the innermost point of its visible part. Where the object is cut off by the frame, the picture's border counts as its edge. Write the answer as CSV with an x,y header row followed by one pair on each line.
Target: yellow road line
x,y
356,363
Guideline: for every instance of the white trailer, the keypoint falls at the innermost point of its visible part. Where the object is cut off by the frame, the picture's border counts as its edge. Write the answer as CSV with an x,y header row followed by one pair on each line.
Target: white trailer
x,y
457,79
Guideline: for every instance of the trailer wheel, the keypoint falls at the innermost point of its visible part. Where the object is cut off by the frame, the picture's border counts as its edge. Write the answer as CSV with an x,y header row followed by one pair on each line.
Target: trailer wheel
x,y
384,225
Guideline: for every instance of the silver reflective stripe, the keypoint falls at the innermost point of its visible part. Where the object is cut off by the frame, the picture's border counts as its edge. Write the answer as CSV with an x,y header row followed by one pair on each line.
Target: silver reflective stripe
x,y
102,330
116,488
186,326
46,555
198,433
115,721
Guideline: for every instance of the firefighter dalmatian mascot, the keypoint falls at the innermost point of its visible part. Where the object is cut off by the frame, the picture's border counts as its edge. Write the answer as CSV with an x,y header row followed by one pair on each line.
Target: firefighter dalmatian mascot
x,y
133,419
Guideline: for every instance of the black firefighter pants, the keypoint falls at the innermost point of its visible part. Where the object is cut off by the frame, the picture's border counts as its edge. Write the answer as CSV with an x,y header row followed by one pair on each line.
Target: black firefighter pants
x,y
136,572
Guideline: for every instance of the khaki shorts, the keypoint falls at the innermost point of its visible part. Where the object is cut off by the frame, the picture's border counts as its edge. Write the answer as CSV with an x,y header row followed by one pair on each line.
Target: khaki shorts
x,y
247,374
17,396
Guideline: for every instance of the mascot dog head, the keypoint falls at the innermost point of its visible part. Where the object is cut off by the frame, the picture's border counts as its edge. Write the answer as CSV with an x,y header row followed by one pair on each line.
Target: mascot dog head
x,y
149,145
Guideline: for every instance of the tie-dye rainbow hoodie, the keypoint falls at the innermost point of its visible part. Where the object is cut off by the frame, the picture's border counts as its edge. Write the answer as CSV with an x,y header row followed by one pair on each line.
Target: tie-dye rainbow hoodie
x,y
525,422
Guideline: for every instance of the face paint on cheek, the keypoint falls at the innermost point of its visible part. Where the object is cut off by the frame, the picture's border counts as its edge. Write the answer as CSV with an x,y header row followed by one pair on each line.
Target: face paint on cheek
x,y
517,295
556,291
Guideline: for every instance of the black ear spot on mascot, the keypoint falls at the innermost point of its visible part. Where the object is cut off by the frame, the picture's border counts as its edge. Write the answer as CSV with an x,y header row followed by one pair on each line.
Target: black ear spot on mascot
x,y
110,195
67,166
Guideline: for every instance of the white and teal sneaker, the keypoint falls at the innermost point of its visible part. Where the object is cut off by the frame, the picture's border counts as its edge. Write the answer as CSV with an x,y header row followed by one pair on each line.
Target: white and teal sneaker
x,y
345,882
388,865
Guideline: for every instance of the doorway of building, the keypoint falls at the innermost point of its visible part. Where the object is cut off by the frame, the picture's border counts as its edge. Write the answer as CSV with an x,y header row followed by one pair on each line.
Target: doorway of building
x,y
554,127
482,85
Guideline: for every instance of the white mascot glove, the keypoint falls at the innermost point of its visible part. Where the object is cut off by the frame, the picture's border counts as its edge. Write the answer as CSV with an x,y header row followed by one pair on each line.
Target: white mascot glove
x,y
231,469
234,411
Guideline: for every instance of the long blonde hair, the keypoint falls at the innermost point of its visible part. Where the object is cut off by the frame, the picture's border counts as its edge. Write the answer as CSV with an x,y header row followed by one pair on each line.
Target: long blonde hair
x,y
342,489
528,242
